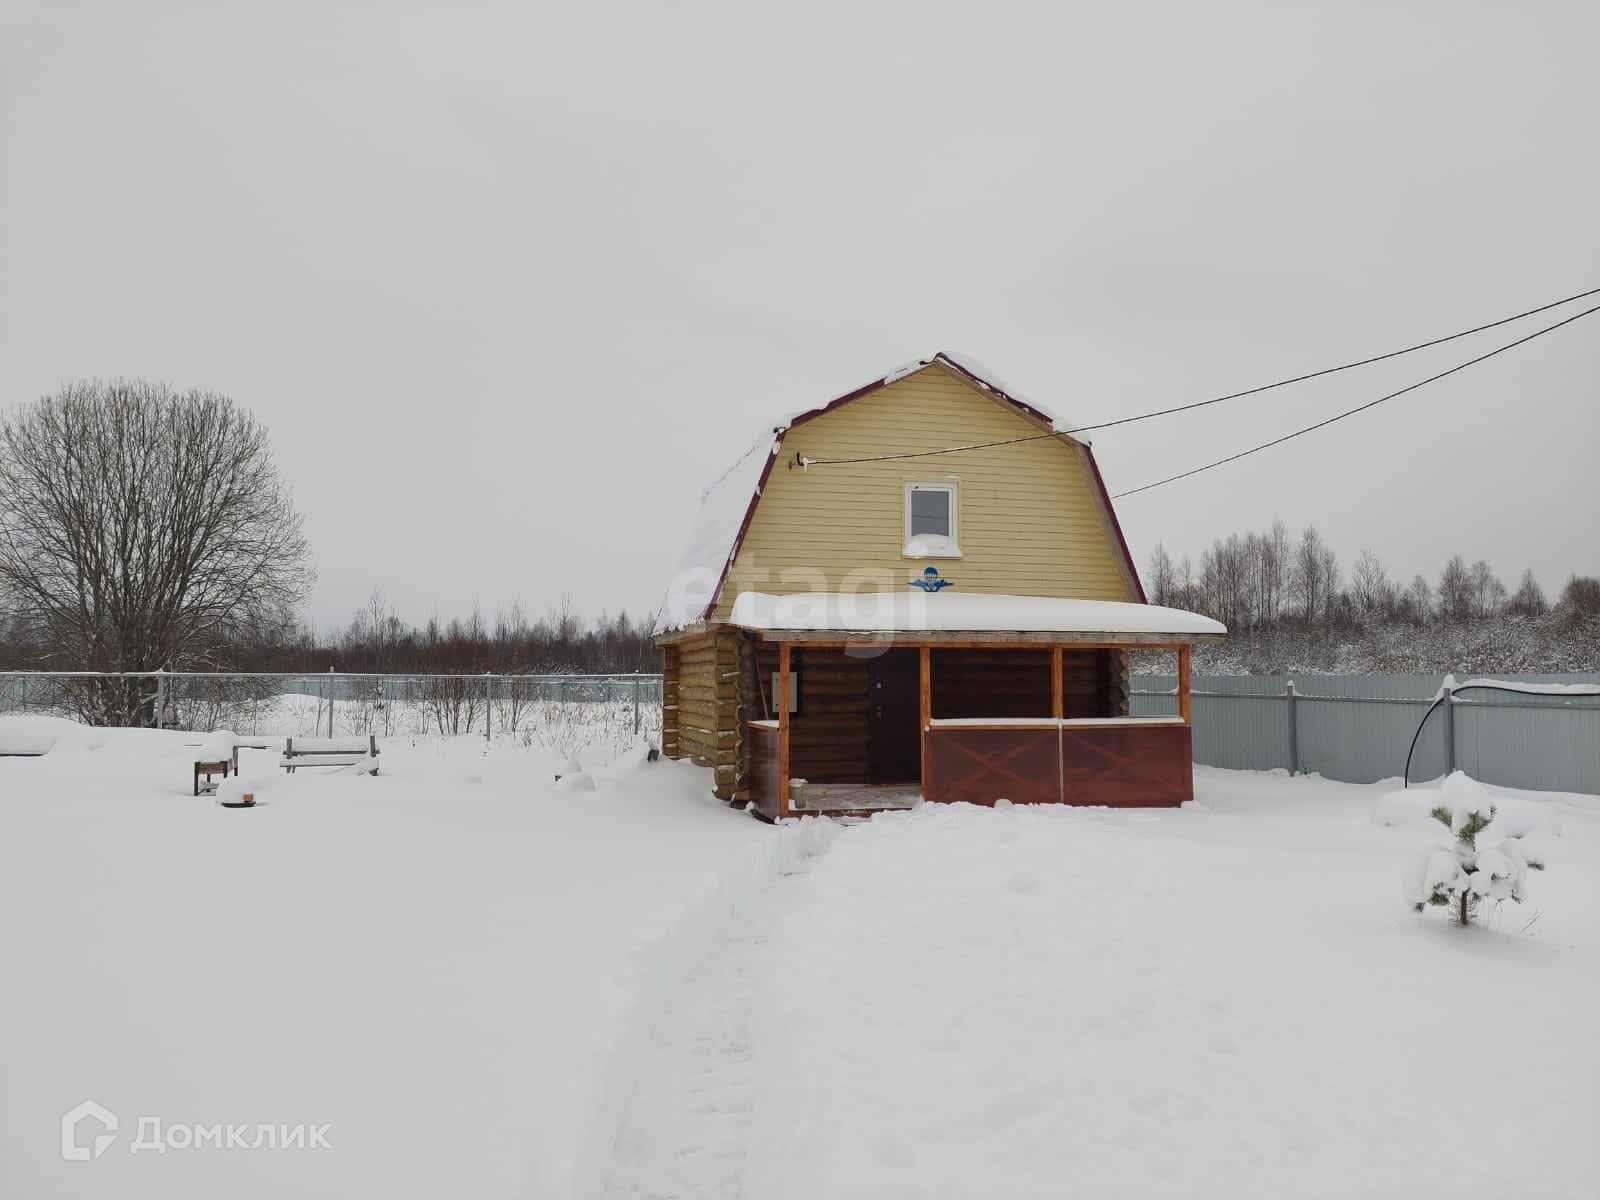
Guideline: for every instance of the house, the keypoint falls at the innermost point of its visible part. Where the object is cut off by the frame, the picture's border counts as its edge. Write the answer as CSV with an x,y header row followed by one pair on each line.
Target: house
x,y
919,588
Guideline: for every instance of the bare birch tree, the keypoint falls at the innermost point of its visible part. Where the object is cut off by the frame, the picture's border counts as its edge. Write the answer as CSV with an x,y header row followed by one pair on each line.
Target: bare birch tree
x,y
1163,577
1315,575
1371,590
1455,590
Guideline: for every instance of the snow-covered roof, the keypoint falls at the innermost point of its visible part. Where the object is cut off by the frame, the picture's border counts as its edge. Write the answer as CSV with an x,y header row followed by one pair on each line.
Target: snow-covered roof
x,y
714,536
989,381
967,612
963,366
726,506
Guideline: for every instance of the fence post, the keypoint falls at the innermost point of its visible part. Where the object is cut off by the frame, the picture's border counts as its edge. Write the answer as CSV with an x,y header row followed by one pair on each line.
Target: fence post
x,y
637,684
330,702
1294,729
488,707
161,697
1449,690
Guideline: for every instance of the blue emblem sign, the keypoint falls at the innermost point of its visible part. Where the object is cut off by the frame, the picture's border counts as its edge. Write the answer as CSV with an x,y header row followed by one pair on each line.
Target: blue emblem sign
x,y
930,581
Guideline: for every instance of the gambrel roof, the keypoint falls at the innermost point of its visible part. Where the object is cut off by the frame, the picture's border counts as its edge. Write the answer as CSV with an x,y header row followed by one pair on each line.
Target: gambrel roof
x,y
728,505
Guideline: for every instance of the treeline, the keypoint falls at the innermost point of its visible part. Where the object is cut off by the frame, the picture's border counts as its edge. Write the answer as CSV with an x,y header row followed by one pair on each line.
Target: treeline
x,y
511,643
1289,604
1264,580
377,640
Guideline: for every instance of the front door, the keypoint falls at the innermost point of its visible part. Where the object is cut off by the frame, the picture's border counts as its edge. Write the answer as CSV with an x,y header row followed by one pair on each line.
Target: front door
x,y
894,709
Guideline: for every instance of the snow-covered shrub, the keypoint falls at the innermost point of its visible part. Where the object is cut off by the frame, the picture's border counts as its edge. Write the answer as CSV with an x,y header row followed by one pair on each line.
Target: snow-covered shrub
x,y
1460,876
579,729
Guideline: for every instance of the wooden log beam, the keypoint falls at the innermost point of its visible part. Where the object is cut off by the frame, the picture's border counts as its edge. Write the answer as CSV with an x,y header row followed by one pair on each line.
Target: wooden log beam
x,y
925,702
781,703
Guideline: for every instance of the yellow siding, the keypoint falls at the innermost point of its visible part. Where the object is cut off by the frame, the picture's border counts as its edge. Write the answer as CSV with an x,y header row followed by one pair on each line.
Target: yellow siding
x,y
1028,520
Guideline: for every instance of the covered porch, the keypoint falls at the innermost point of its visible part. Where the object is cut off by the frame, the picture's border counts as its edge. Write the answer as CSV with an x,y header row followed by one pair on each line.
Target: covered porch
x,y
880,719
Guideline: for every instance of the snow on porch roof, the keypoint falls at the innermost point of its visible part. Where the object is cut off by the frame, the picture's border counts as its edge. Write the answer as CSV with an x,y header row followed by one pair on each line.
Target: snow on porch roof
x,y
970,612
727,505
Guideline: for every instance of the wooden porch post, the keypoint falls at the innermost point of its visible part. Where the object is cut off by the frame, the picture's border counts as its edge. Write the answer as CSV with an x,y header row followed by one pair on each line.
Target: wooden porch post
x,y
1057,707
925,705
781,702
1183,684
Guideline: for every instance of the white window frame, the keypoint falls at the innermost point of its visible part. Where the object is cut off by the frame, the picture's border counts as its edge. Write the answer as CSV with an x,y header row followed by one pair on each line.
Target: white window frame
x,y
955,517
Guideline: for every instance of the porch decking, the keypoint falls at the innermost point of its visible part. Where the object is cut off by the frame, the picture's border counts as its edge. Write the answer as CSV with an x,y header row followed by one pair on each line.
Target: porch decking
x,y
853,797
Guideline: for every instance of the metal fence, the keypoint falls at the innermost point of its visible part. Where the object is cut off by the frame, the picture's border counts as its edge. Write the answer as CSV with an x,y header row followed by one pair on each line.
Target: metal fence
x,y
1358,728
269,703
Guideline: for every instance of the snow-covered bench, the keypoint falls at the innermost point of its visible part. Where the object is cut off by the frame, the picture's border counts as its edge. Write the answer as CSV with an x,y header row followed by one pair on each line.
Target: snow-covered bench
x,y
252,743
329,752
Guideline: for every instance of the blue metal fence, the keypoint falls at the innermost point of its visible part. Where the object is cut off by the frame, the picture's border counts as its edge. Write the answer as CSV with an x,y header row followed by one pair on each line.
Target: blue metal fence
x,y
1358,728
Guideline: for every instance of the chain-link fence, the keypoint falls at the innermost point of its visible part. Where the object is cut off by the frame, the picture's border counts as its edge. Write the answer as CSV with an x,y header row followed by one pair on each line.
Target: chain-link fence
x,y
566,712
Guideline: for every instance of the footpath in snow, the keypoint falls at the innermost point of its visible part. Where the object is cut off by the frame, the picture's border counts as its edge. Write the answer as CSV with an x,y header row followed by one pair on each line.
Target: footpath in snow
x,y
684,1123
1228,1000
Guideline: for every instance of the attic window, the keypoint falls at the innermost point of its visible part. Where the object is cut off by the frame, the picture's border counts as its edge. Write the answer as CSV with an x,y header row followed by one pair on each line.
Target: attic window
x,y
931,521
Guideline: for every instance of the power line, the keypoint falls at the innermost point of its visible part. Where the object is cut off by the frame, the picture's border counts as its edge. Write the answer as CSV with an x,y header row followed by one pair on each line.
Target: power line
x,y
1166,412
1350,412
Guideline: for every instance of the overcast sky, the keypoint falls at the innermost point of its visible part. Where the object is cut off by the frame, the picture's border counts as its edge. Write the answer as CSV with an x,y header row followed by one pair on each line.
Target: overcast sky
x,y
510,290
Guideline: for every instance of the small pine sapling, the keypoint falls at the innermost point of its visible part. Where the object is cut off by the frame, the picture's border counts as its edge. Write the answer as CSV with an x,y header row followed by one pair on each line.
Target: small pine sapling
x,y
1460,876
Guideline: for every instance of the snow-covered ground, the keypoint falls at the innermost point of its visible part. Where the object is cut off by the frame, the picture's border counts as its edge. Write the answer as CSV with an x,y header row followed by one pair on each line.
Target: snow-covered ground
x,y
438,961
489,986
1227,1000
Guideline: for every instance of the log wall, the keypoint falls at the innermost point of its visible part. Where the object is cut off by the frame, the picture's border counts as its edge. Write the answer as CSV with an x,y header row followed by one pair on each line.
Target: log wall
x,y
1016,683
670,746
828,737
705,689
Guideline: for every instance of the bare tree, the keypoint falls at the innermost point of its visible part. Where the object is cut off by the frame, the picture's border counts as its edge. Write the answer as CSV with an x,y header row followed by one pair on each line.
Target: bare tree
x,y
1315,574
1370,587
1270,561
1226,576
1455,590
1529,600
1580,598
1488,593
1418,601
1163,577
1187,597
141,528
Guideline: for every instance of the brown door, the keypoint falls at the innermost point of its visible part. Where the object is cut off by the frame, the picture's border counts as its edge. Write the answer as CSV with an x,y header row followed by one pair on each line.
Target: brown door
x,y
894,706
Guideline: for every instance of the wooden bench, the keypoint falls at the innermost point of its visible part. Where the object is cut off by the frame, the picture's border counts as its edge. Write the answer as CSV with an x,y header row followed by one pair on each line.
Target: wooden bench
x,y
328,752
210,769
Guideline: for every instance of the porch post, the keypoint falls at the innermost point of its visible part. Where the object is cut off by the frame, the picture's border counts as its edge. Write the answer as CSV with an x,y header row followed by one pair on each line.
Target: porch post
x,y
1057,707
1183,684
781,701
925,707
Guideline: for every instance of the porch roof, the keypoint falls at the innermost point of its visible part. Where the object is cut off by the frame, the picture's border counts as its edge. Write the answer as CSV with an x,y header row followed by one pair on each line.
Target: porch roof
x,y
920,616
